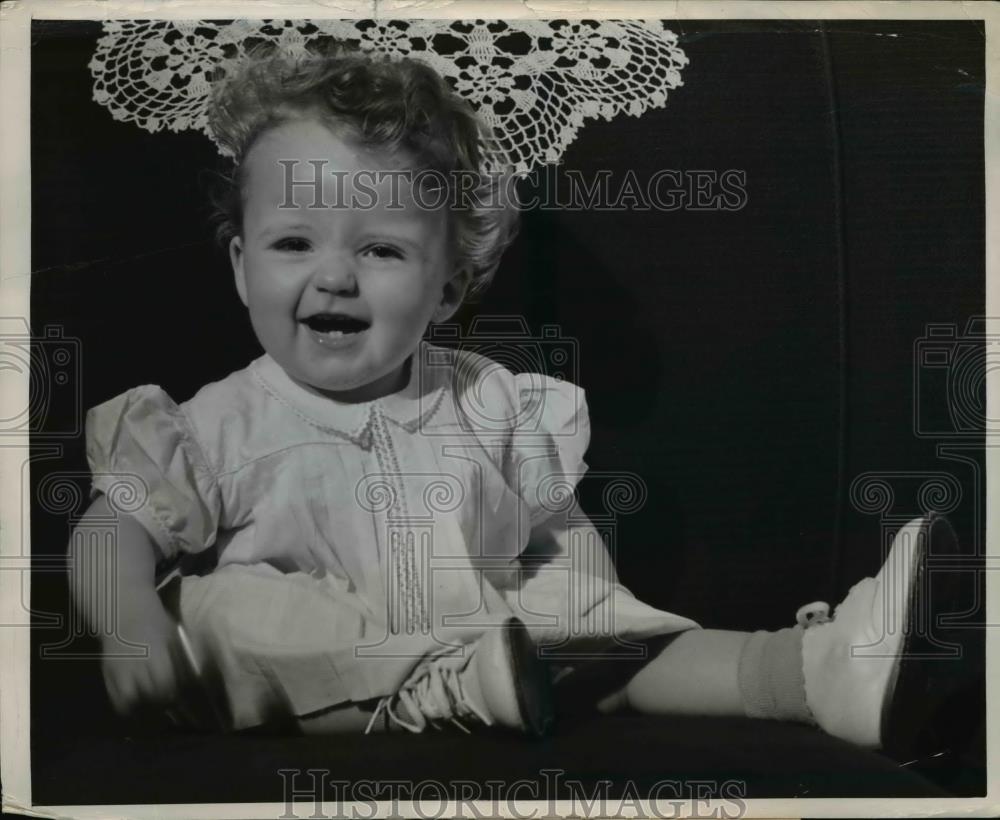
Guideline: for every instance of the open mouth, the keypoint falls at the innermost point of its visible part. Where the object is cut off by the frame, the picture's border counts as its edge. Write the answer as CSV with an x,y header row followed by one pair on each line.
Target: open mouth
x,y
335,325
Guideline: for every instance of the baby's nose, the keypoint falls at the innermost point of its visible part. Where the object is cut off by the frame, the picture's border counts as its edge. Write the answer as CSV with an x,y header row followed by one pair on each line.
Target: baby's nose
x,y
336,274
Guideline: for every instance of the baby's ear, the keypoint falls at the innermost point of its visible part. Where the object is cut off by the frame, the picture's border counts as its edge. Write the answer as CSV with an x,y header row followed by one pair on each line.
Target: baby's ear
x,y
453,294
236,259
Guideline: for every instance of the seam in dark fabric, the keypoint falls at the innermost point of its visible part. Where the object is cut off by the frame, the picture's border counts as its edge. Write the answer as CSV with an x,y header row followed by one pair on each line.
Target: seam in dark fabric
x,y
843,428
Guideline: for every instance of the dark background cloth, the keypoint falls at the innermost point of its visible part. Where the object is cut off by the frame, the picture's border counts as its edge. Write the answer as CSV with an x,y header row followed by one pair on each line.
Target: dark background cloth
x,y
751,367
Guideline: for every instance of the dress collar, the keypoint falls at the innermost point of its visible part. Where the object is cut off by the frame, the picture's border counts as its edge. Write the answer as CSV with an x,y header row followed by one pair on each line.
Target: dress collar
x,y
409,408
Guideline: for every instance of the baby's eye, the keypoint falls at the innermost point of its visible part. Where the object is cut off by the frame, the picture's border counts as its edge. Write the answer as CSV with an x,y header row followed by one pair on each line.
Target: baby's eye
x,y
292,244
383,252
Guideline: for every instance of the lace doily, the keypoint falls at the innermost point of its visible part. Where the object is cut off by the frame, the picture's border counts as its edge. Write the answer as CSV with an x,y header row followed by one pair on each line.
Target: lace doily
x,y
535,82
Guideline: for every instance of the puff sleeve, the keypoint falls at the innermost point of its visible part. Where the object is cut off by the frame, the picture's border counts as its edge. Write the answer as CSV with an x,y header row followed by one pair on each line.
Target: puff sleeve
x,y
549,440
142,445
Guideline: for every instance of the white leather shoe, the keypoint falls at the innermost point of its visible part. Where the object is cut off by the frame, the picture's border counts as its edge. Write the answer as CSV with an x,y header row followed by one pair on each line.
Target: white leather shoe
x,y
496,681
856,663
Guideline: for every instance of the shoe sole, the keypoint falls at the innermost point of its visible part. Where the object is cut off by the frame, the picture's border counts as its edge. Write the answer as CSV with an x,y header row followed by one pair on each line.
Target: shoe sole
x,y
909,693
533,685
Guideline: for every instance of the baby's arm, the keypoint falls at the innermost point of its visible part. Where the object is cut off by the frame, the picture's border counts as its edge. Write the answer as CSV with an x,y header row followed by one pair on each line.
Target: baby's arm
x,y
128,573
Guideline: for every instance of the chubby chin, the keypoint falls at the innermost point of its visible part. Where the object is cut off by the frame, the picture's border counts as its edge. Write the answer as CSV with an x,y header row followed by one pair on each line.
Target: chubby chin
x,y
361,363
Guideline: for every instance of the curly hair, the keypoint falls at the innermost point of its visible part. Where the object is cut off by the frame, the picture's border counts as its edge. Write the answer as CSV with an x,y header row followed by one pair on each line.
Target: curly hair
x,y
388,105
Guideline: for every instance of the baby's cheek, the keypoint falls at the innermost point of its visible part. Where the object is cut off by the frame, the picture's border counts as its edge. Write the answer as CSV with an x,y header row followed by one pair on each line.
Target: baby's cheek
x,y
409,300
271,289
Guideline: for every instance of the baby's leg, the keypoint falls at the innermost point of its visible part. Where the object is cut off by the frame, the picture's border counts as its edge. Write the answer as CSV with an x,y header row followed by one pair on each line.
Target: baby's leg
x,y
720,673
695,673
291,645
857,673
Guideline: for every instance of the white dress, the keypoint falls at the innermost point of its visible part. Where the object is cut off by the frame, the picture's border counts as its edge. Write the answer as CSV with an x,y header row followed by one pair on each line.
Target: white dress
x,y
354,539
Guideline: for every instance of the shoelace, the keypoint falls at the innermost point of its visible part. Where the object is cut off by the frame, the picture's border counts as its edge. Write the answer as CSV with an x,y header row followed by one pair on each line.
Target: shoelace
x,y
818,612
434,693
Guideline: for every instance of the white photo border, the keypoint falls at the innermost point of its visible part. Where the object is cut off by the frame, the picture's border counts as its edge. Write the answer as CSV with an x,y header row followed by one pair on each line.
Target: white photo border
x,y
15,281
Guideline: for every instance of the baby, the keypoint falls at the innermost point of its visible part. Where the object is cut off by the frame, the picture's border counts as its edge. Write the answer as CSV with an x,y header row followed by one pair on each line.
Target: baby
x,y
393,549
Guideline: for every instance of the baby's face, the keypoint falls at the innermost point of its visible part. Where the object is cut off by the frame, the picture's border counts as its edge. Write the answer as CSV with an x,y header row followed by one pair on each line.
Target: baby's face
x,y
339,297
